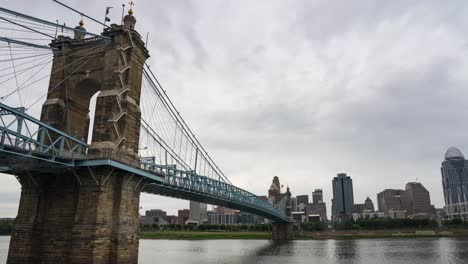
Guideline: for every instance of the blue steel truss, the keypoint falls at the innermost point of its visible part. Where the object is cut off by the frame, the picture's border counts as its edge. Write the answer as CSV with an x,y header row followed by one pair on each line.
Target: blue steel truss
x,y
24,135
180,184
28,138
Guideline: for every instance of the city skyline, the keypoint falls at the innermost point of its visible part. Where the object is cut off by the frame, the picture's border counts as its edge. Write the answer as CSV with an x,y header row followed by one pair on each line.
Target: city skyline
x,y
416,198
320,78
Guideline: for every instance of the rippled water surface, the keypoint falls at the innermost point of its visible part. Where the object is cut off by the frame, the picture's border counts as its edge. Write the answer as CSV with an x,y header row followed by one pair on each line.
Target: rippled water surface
x,y
394,251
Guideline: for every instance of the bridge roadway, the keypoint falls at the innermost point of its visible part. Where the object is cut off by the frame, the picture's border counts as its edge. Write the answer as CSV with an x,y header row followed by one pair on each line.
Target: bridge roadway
x,y
24,147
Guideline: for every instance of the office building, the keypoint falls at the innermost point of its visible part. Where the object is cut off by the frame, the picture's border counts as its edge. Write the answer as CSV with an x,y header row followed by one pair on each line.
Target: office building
x,y
182,216
302,199
397,213
413,202
223,219
294,204
455,184
317,196
420,200
391,200
198,213
172,219
223,210
365,210
343,198
358,208
155,213
250,219
316,209
368,205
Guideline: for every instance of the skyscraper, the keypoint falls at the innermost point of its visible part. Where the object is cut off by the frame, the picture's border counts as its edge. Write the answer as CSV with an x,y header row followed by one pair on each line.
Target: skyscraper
x,y
414,201
455,184
156,213
274,193
317,209
183,216
420,200
369,205
198,213
317,196
302,199
343,197
390,200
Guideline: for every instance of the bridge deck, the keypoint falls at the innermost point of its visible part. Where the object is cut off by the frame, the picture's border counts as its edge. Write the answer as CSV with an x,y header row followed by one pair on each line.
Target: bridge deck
x,y
21,151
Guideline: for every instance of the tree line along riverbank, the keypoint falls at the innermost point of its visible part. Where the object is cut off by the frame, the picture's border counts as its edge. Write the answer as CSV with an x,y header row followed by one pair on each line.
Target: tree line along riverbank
x,y
382,228
304,235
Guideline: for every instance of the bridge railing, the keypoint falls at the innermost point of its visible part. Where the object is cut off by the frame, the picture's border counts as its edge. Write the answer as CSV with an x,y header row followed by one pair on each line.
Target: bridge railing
x,y
193,182
24,135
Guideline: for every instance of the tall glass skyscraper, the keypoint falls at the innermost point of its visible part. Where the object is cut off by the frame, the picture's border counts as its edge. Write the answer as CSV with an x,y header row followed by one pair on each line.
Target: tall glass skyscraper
x,y
343,198
455,183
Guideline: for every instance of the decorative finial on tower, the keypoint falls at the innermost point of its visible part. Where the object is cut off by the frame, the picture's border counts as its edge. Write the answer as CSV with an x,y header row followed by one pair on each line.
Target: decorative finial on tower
x,y
80,31
130,11
129,20
81,23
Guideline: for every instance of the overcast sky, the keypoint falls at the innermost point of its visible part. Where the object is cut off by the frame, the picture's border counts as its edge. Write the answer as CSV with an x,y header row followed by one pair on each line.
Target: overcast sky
x,y
304,89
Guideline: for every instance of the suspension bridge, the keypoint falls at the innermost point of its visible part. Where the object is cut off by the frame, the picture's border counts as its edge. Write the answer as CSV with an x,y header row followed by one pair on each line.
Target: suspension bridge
x,y
81,176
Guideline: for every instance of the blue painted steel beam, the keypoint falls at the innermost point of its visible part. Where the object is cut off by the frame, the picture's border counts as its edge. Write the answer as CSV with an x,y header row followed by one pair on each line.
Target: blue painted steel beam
x,y
181,193
42,124
119,165
161,179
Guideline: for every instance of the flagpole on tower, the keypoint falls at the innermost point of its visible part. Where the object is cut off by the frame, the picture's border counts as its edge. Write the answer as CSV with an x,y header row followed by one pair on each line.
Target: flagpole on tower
x,y
106,18
123,10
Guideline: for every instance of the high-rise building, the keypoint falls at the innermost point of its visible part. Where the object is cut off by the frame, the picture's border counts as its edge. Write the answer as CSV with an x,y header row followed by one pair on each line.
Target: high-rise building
x,y
390,200
358,208
343,197
366,211
414,201
182,216
156,213
223,219
319,209
294,204
317,196
274,193
250,219
368,205
455,184
198,213
302,199
172,219
420,200
223,210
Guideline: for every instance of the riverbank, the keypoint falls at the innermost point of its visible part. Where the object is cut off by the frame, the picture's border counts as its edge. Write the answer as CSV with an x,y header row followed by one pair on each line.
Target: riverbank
x,y
339,235
199,235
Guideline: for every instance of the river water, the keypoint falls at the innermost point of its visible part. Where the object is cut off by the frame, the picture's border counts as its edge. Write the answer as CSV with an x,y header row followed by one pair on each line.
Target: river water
x,y
371,251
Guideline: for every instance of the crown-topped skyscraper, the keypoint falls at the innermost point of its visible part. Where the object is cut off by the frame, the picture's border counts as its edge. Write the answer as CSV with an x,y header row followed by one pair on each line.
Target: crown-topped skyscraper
x,y
455,183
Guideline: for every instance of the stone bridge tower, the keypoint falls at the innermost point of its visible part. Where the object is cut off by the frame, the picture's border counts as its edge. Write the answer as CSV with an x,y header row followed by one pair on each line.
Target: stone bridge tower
x,y
281,231
87,214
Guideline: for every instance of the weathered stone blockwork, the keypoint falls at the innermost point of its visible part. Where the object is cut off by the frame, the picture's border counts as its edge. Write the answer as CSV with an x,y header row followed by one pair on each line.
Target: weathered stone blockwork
x,y
282,231
90,217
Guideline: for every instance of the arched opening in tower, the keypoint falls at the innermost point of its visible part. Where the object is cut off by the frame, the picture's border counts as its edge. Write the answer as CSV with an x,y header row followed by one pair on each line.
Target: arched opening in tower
x,y
81,108
92,111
